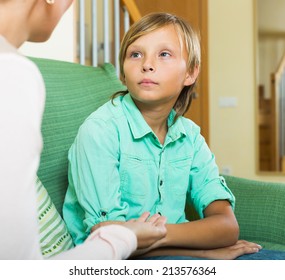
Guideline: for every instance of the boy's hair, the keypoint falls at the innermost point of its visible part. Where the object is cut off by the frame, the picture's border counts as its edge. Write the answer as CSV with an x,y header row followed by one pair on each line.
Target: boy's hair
x,y
187,36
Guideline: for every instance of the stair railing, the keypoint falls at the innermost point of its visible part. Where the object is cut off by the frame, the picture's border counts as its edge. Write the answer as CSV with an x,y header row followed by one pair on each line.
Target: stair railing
x,y
100,26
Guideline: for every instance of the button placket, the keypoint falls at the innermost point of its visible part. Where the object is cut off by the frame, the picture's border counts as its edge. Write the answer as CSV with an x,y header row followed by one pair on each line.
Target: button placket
x,y
161,174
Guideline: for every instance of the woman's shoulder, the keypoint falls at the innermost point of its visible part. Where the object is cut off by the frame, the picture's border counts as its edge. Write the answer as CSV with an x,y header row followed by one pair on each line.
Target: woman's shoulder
x,y
19,77
18,65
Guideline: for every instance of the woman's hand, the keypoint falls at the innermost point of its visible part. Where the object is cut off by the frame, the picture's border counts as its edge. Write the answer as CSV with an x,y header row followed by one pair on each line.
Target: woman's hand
x,y
147,229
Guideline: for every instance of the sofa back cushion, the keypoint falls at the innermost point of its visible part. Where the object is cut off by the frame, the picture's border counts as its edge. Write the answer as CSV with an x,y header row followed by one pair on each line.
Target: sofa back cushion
x,y
73,91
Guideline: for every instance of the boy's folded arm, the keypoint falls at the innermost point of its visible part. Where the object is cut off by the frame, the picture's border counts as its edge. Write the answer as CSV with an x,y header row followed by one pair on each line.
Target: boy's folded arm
x,y
218,229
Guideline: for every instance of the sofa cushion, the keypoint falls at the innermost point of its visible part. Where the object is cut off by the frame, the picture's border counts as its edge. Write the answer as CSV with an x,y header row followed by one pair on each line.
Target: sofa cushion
x,y
54,237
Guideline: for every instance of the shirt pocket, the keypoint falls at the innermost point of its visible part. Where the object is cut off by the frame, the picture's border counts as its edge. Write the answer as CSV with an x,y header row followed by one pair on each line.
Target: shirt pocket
x,y
136,176
177,172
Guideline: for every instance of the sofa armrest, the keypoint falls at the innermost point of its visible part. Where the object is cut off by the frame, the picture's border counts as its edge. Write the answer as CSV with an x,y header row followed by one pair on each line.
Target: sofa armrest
x,y
260,211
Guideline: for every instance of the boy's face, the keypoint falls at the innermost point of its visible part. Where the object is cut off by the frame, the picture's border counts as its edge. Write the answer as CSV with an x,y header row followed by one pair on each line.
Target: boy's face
x,y
155,68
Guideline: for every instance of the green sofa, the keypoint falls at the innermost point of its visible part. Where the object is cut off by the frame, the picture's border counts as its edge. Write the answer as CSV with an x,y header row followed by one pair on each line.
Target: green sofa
x,y
74,91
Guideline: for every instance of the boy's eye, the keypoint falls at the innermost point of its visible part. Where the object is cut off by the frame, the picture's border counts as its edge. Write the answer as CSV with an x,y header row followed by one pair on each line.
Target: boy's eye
x,y
135,54
165,54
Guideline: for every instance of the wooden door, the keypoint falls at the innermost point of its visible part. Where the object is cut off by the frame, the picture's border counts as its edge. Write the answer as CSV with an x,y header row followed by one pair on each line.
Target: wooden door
x,y
195,12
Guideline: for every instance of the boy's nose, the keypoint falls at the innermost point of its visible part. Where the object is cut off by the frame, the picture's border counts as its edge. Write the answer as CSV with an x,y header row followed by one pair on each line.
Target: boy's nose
x,y
147,68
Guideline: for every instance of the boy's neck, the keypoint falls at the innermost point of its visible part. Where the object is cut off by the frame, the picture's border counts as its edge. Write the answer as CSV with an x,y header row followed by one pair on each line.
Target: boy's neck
x,y
157,119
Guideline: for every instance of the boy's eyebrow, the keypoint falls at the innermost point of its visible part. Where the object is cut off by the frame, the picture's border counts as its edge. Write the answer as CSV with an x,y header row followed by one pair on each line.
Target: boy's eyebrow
x,y
163,45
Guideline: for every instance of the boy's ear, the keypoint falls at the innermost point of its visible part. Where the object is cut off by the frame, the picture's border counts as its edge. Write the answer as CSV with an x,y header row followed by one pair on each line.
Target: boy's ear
x,y
191,76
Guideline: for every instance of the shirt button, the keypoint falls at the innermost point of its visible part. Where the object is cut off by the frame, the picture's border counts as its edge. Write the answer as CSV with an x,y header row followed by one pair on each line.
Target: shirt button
x,y
103,213
161,182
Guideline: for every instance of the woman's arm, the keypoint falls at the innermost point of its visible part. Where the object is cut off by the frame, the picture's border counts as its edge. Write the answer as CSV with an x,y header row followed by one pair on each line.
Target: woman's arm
x,y
117,240
113,242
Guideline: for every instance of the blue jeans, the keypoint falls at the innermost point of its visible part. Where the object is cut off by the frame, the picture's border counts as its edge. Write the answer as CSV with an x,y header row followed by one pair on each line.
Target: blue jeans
x,y
264,254
261,255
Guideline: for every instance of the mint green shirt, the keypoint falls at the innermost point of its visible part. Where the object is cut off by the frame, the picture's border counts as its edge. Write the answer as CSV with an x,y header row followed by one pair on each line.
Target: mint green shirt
x,y
118,170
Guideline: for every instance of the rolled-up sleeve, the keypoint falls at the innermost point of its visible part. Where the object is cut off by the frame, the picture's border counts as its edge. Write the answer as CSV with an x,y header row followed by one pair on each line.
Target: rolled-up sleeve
x,y
206,185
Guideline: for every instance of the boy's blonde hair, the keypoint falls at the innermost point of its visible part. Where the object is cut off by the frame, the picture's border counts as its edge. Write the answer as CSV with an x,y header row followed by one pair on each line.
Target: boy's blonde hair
x,y
188,38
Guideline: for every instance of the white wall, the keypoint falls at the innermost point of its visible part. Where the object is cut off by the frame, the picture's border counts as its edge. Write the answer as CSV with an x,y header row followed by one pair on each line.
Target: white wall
x,y
267,8
60,45
233,131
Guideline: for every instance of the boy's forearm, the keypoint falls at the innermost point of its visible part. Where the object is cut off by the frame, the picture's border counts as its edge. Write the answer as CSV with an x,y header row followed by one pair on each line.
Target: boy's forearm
x,y
212,232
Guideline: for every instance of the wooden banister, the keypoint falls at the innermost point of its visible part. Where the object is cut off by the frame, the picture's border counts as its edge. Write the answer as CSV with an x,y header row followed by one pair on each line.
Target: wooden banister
x,y
283,164
132,8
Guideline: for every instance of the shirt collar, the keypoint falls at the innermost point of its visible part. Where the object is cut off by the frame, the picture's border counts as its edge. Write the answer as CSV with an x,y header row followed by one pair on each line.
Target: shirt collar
x,y
176,130
139,126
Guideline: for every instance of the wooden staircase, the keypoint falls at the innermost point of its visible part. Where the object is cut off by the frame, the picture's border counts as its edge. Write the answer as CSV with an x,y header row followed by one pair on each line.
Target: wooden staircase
x,y
271,120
